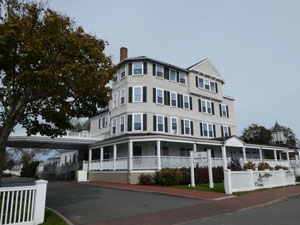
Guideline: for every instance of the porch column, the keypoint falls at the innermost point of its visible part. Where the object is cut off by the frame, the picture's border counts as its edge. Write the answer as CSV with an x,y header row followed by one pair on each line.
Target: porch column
x,y
195,147
260,154
101,158
90,159
244,154
298,155
287,155
115,157
223,147
275,155
158,155
130,153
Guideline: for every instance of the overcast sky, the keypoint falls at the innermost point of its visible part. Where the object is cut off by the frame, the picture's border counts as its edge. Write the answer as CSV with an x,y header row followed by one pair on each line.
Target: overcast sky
x,y
253,44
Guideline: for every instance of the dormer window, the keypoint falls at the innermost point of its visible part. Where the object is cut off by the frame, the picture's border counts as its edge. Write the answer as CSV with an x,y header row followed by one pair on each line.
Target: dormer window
x,y
137,68
122,72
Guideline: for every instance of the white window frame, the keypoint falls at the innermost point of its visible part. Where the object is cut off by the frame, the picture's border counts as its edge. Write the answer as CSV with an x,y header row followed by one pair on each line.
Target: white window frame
x,y
122,72
224,112
114,126
134,94
173,75
187,126
135,71
171,103
201,82
123,96
206,106
115,78
159,97
134,115
212,86
174,121
122,123
226,131
103,122
186,97
115,100
160,123
159,71
182,77
208,130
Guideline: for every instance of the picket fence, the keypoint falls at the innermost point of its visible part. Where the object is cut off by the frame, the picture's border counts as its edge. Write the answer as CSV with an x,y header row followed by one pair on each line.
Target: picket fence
x,y
24,205
238,181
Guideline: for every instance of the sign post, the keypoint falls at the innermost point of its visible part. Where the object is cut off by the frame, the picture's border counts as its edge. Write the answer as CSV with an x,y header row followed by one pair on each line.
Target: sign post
x,y
192,169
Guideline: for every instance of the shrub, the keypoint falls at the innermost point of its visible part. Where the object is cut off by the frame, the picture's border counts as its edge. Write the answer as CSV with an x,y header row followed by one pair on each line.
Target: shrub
x,y
145,179
263,166
249,166
278,167
29,170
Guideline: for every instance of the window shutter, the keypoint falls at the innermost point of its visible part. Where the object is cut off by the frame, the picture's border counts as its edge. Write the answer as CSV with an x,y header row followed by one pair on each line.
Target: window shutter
x,y
180,100
144,122
216,84
201,131
220,107
130,94
99,124
154,123
166,73
144,94
199,105
213,108
166,124
222,131
129,122
154,95
214,127
154,69
229,130
130,69
191,103
227,111
166,97
192,128
177,76
182,127
145,68
197,84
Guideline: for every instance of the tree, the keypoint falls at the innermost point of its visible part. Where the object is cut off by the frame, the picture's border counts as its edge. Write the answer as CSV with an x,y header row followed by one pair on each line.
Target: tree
x,y
50,71
290,136
257,135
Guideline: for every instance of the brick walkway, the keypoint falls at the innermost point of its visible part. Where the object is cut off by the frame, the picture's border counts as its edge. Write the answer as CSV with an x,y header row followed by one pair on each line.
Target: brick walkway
x,y
221,204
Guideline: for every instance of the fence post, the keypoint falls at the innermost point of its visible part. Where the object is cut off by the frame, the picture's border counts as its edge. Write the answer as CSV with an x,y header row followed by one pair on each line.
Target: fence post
x,y
227,181
40,201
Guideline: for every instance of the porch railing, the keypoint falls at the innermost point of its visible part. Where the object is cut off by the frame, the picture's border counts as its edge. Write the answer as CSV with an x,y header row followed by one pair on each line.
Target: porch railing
x,y
23,205
271,162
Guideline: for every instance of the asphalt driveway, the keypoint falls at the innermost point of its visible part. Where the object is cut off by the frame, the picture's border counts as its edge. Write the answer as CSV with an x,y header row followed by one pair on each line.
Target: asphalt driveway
x,y
87,204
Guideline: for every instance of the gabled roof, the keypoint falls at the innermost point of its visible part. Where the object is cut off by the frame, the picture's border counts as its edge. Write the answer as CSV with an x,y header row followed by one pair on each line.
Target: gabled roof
x,y
206,68
277,128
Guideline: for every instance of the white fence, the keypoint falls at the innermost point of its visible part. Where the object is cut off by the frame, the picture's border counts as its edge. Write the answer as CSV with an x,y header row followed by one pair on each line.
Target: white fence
x,y
237,181
23,205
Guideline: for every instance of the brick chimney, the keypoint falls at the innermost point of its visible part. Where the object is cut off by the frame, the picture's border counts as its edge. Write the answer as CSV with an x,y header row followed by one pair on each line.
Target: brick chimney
x,y
123,53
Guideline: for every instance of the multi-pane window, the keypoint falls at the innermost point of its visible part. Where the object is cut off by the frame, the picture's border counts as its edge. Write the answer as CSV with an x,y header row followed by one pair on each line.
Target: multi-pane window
x,y
200,82
114,126
174,125
206,106
207,130
160,123
223,110
115,78
137,68
159,96
115,100
226,131
122,124
187,128
122,96
212,86
173,99
182,78
103,122
186,101
159,71
122,72
207,85
137,122
137,94
172,75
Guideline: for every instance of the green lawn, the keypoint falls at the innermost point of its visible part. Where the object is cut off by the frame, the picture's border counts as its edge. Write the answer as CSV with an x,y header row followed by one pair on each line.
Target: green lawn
x,y
52,218
218,187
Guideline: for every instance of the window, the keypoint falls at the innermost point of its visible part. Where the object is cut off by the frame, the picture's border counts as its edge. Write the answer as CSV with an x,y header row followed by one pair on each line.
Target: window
x,y
187,127
174,125
201,83
185,152
173,75
159,71
186,102
137,94
182,78
114,126
159,96
225,131
115,100
122,72
223,110
137,151
207,84
173,99
103,122
122,96
207,130
160,123
212,86
115,78
206,107
137,122
122,124
137,68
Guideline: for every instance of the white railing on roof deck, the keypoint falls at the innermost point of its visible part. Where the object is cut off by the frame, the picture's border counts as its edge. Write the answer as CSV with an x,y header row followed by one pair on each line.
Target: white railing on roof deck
x,y
24,205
